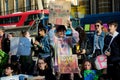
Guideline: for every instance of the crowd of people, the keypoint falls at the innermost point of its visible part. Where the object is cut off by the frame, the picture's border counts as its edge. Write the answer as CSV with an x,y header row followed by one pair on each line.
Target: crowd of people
x,y
50,44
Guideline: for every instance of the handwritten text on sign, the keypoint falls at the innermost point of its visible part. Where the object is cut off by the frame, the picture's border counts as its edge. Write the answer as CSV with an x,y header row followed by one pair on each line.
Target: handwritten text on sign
x,y
59,12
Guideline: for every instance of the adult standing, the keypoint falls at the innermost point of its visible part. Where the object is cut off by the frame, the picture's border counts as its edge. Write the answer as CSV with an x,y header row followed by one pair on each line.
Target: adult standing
x,y
63,44
81,47
25,58
99,36
112,51
44,45
2,38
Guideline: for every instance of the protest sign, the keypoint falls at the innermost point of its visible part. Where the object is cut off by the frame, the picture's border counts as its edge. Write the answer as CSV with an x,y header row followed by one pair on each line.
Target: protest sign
x,y
59,12
10,78
68,64
20,46
87,27
15,77
36,78
92,27
101,62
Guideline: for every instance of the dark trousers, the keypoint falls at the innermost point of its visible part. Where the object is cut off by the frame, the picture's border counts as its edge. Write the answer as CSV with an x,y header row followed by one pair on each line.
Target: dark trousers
x,y
26,65
114,71
97,52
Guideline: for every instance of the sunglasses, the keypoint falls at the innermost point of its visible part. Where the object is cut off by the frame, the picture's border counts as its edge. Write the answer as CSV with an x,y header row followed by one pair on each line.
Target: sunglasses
x,y
97,25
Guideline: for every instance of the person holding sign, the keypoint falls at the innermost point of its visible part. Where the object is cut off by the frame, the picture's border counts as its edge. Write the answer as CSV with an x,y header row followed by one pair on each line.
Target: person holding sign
x,y
63,44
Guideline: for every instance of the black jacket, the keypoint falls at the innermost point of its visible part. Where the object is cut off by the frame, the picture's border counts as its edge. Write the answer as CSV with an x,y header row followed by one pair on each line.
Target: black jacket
x,y
115,49
47,73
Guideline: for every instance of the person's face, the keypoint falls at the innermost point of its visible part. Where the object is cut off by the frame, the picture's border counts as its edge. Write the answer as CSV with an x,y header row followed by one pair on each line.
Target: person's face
x,y
9,36
98,27
1,33
87,65
112,29
61,33
27,34
8,71
41,64
41,32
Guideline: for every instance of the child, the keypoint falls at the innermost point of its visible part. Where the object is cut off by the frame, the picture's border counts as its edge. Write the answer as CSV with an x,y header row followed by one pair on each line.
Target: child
x,y
9,70
44,69
88,71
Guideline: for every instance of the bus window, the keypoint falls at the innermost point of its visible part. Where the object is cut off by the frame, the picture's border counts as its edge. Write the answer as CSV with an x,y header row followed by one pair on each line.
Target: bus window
x,y
30,18
10,20
1,21
15,19
35,16
7,21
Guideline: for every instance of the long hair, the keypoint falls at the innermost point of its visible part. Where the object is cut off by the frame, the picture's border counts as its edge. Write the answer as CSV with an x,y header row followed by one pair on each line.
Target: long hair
x,y
82,34
90,61
44,59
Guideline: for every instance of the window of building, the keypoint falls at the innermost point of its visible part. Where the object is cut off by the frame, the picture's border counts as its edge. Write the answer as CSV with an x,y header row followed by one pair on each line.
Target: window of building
x,y
6,1
28,5
116,5
0,8
103,6
16,5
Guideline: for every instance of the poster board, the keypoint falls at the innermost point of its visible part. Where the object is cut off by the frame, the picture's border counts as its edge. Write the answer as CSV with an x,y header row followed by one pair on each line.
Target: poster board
x,y
68,64
20,46
101,62
36,78
105,27
15,77
92,27
87,27
10,78
59,12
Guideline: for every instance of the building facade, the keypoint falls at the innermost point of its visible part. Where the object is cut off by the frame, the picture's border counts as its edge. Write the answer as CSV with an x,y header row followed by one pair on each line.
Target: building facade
x,y
87,6
100,6
12,6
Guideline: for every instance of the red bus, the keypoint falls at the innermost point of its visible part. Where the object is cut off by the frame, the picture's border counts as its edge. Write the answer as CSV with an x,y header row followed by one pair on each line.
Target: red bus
x,y
19,19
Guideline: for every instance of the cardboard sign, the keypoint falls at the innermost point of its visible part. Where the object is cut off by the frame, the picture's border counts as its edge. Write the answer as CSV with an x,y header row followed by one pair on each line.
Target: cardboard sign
x,y
59,12
87,27
10,78
101,62
68,64
92,27
15,77
105,27
20,46
36,78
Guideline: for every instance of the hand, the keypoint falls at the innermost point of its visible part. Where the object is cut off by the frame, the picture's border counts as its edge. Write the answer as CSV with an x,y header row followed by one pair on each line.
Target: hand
x,y
77,51
10,54
69,23
83,51
79,73
36,43
107,53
